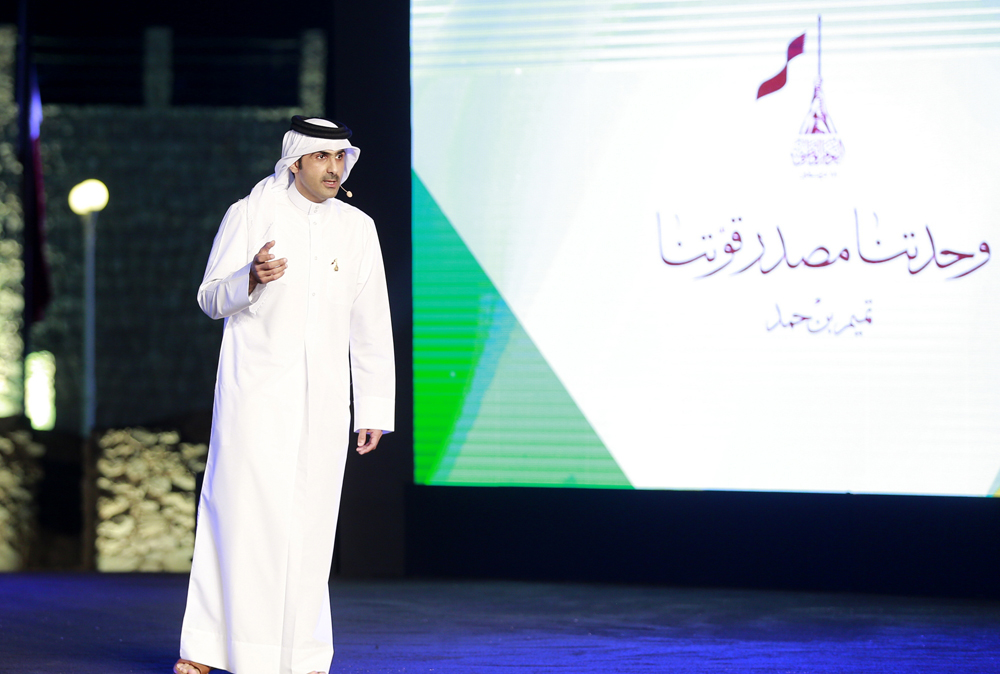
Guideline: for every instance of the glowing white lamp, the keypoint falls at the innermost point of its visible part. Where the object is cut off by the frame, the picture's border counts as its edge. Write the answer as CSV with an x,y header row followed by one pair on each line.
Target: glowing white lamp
x,y
87,199
89,196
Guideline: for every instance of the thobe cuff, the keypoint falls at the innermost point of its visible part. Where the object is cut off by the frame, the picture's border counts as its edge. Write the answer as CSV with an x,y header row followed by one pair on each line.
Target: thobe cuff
x,y
375,413
258,291
227,296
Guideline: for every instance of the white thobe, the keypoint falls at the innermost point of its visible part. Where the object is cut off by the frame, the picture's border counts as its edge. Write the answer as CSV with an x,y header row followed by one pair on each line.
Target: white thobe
x,y
258,600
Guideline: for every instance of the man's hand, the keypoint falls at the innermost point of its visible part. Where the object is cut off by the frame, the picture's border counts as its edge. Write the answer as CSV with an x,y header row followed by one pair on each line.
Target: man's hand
x,y
265,268
368,439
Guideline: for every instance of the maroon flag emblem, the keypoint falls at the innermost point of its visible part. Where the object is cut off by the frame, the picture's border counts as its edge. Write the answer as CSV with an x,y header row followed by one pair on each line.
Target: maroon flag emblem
x,y
795,48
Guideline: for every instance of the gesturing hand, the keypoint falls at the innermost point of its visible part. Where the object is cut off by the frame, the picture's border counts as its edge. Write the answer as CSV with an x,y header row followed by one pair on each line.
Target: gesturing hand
x,y
265,268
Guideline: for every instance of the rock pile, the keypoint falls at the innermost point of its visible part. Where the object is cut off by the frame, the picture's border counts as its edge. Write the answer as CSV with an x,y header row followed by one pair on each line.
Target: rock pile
x,y
19,473
146,500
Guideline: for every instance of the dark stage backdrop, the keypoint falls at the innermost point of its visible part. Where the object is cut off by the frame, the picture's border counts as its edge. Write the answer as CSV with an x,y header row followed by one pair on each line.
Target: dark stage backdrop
x,y
176,149
369,73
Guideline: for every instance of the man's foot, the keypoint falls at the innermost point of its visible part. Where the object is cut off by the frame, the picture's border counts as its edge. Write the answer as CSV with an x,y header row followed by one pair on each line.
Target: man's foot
x,y
187,667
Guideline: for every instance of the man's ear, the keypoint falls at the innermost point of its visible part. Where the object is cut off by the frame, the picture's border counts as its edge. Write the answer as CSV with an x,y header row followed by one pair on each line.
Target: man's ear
x,y
294,168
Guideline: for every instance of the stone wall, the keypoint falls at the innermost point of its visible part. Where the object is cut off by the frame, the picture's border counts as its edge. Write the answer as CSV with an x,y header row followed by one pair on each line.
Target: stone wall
x,y
146,500
20,472
11,226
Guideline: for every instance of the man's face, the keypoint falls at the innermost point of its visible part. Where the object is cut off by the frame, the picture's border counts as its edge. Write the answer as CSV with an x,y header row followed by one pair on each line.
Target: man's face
x,y
317,175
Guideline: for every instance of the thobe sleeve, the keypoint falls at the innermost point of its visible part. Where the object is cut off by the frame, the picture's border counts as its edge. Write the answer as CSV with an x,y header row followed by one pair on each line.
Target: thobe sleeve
x,y
373,369
224,290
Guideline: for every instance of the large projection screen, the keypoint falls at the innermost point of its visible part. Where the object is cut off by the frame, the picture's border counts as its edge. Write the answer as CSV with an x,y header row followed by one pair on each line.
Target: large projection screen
x,y
707,245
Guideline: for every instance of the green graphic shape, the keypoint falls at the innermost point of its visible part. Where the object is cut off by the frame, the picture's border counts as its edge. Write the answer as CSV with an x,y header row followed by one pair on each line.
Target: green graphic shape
x,y
488,409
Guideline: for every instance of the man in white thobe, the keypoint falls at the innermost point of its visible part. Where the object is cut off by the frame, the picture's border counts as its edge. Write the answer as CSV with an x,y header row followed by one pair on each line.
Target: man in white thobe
x,y
298,277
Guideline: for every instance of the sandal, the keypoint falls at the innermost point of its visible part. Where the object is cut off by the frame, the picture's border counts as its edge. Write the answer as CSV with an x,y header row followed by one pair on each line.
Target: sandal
x,y
201,669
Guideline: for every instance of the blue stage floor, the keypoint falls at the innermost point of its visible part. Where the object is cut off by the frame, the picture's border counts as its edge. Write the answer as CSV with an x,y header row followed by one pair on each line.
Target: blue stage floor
x,y
117,624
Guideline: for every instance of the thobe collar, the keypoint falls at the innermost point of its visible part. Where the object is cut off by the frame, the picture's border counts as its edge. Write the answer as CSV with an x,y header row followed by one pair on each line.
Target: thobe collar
x,y
300,202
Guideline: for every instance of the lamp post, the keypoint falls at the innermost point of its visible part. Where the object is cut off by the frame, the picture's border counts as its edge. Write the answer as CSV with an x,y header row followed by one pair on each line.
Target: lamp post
x,y
87,199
